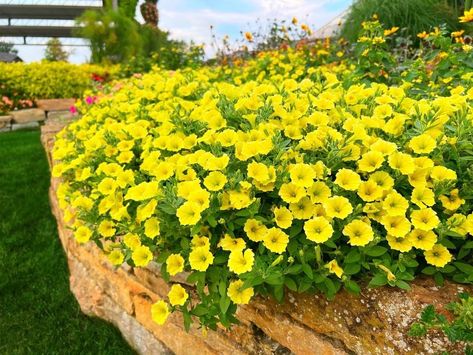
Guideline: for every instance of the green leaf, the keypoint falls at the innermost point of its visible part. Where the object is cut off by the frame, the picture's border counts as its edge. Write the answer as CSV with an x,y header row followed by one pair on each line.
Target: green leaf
x,y
429,270
417,330
403,285
187,319
308,270
304,285
224,303
290,283
375,251
351,269
353,256
439,279
275,280
200,310
428,314
466,268
352,287
195,276
379,279
294,269
279,293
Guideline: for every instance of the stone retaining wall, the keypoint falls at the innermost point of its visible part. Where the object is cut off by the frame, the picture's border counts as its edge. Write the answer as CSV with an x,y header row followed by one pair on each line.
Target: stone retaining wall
x,y
374,323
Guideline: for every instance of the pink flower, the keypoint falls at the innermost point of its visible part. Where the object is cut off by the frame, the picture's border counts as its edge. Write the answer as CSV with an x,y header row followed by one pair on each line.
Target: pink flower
x,y
73,110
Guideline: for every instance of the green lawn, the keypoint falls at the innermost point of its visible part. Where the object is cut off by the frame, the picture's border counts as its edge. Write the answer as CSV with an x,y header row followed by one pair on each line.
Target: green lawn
x,y
38,313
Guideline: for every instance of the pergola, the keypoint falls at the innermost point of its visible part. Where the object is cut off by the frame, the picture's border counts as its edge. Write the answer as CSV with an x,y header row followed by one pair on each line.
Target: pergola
x,y
42,18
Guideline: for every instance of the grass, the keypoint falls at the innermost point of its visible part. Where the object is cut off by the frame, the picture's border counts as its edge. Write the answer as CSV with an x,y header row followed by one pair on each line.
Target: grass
x,y
38,313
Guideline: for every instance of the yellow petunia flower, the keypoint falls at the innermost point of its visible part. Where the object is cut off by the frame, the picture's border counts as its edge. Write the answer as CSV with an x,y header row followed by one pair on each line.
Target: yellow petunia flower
x,y
255,230
283,217
276,240
241,261
425,219
177,295
159,312
238,294
174,264
438,256
200,258
359,233
142,256
338,207
318,229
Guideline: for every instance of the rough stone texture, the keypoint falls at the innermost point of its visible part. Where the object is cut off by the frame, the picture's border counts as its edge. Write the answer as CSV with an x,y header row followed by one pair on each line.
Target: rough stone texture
x,y
55,104
374,323
5,123
28,115
26,125
59,115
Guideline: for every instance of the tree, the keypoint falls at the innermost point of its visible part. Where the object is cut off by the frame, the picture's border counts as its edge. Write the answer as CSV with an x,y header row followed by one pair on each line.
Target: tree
x,y
54,51
6,47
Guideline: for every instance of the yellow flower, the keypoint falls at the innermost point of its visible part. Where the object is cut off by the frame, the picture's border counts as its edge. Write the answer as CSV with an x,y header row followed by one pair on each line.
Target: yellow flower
x,y
338,206
318,229
291,193
438,256
240,262
189,213
370,191
395,204
402,244
348,179
229,243
440,173
422,144
106,228
276,240
258,172
116,257
467,16
160,312
359,233
145,211
200,197
319,192
177,295
152,227
132,241
82,234
282,217
334,268
397,226
453,201
200,241
402,162
200,258
143,191
370,161
424,240
422,196
142,256
174,264
425,219
382,179
215,181
302,175
107,186
249,36
238,294
304,209
255,230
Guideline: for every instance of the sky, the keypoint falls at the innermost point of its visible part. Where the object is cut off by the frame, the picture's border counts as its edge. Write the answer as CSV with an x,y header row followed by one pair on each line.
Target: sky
x,y
191,20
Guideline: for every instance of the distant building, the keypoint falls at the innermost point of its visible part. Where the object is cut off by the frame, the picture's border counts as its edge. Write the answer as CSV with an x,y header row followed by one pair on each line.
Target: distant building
x,y
332,28
9,57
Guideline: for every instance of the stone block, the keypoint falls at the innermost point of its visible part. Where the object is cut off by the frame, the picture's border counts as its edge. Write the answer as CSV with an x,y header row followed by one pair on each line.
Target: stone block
x,y
24,125
28,115
55,104
5,121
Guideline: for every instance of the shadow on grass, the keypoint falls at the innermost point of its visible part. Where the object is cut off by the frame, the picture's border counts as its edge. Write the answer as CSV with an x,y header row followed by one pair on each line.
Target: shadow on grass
x,y
38,313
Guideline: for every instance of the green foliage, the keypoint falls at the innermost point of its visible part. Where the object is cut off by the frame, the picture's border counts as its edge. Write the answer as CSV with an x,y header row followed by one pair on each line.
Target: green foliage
x,y
113,36
6,47
128,7
460,329
54,51
38,313
413,16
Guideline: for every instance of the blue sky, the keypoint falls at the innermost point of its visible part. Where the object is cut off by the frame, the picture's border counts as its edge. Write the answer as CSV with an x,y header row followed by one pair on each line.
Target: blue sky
x,y
191,19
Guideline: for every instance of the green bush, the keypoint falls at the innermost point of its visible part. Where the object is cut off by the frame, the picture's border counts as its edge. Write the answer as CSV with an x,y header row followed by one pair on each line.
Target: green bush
x,y
413,16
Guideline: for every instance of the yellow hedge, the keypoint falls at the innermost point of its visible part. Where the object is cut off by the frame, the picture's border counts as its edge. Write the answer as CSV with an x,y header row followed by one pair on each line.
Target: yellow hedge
x,y
48,80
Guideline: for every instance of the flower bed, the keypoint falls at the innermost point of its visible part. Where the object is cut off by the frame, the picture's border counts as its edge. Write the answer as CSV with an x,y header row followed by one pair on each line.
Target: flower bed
x,y
300,180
